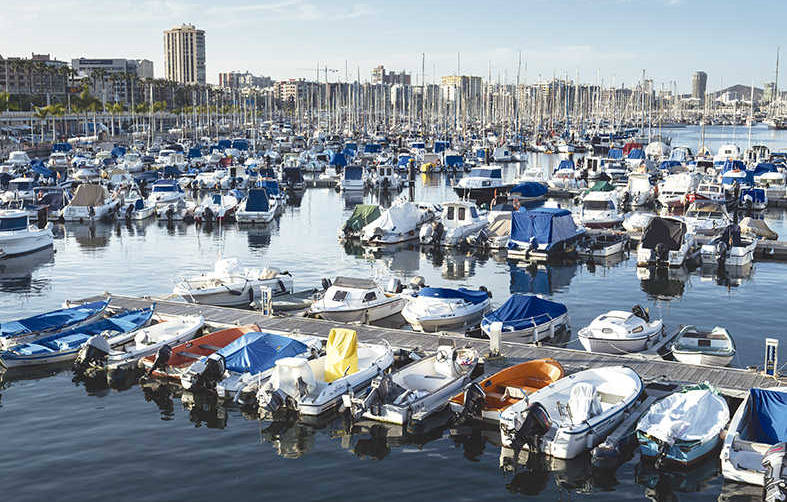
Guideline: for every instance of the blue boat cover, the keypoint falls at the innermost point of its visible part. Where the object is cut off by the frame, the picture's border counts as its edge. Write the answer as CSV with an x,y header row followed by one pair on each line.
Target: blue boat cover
x,y
669,164
62,147
353,173
38,167
730,165
678,154
452,161
404,160
240,144
486,172
372,148
257,352
56,319
530,189
615,153
195,152
741,177
118,151
351,146
171,172
267,172
765,167
257,200
292,174
565,164
525,311
768,410
338,159
271,186
441,146
636,154
470,295
757,194
224,144
547,225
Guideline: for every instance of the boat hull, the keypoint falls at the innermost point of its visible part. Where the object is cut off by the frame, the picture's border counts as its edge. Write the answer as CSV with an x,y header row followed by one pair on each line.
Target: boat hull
x,y
16,243
370,314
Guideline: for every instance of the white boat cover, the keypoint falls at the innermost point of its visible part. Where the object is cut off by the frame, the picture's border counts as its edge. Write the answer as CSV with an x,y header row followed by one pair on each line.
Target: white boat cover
x,y
583,402
696,415
399,218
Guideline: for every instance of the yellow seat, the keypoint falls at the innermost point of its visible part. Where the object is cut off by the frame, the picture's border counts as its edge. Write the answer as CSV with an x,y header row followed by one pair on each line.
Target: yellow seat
x,y
341,354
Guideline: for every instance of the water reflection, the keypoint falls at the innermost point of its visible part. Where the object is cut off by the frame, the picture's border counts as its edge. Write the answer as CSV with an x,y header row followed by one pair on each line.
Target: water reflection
x,y
540,278
662,485
403,258
454,263
289,437
259,236
161,394
93,236
16,272
531,472
204,409
661,283
727,275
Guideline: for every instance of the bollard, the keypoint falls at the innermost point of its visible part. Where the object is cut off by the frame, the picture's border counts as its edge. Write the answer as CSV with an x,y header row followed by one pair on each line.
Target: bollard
x,y
495,338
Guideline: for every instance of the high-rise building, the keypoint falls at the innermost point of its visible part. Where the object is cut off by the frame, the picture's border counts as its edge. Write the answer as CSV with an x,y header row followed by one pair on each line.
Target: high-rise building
x,y
381,76
699,83
184,54
115,88
238,80
467,87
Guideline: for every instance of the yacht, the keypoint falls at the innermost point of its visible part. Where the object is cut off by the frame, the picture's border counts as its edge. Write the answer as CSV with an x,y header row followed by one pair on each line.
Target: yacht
x,y
727,152
600,210
91,202
481,183
216,206
706,217
350,299
458,221
165,192
676,187
132,162
18,237
352,179
257,207
19,159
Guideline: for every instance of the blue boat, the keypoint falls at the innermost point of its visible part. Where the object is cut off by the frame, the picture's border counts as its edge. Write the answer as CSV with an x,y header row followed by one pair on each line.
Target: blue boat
x,y
542,234
64,346
529,191
22,330
526,318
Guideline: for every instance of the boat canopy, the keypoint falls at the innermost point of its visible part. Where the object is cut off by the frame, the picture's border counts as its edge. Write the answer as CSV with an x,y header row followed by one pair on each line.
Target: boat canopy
x,y
341,354
602,186
615,153
733,165
404,160
353,173
757,194
694,415
10,223
240,144
765,167
529,189
224,144
257,200
486,172
566,164
118,151
741,177
441,146
546,225
469,295
363,214
62,147
195,152
89,195
454,160
665,231
372,148
636,154
61,318
256,352
270,186
768,409
166,186
669,164
338,159
525,311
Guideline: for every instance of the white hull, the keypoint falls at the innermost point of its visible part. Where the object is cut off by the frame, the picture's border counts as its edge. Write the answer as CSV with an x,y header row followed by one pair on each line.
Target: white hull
x,y
254,216
606,346
702,359
29,240
445,323
369,314
535,334
244,293
82,213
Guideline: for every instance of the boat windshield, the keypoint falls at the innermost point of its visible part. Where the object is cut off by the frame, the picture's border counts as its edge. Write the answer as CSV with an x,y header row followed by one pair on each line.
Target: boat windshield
x,y
14,223
163,188
485,173
598,205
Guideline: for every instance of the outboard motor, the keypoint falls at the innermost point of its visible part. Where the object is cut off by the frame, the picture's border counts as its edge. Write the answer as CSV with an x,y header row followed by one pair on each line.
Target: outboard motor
x,y
774,487
271,400
485,290
162,358
394,286
475,399
326,283
206,372
94,352
536,424
207,215
643,314
417,282
662,253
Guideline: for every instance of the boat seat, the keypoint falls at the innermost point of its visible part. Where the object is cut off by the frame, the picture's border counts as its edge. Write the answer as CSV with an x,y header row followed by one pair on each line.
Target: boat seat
x,y
341,354
423,382
67,342
32,349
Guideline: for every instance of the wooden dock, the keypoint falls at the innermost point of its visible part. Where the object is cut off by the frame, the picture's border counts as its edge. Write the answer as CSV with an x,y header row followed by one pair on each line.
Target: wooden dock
x,y
733,382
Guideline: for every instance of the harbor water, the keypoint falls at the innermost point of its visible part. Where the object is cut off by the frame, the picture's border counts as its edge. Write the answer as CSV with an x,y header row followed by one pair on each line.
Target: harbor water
x,y
70,441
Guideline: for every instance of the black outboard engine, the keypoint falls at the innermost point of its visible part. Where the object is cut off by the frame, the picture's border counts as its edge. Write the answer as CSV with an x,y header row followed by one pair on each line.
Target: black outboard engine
x,y
207,215
775,487
475,399
207,371
326,283
638,311
162,358
662,253
485,290
536,424
93,353
271,401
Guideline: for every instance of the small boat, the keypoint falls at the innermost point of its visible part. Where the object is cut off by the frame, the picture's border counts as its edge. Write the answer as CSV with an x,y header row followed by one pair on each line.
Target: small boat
x,y
494,394
352,179
91,202
399,223
683,428
27,329
216,207
730,248
542,234
526,318
230,285
315,386
602,245
697,346
753,198
600,209
164,193
481,184
528,191
256,208
572,415
458,221
172,364
759,423
65,345
706,217
621,332
446,309
18,237
757,229
135,207
363,214
350,299
416,391
636,221
665,241
496,234
246,363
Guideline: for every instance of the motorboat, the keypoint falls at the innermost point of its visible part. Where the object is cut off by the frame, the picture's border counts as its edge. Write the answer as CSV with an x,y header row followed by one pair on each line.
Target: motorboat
x,y
572,415
526,318
753,199
694,345
386,178
179,210
352,179
684,428
502,154
315,386
350,299
216,207
41,325
132,162
136,207
418,390
90,203
621,332
496,233
639,190
675,188
494,394
542,234
164,193
363,215
482,183
757,425
398,223
19,159
636,221
727,152
706,217
728,247
711,191
600,210
65,345
292,179
20,189
602,245
665,241
458,221
18,236
566,177
230,285
256,207
528,192
446,309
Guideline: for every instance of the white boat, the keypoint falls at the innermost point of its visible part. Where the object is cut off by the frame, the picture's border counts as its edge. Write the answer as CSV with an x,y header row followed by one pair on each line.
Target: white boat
x,y
164,193
177,210
136,207
636,221
729,248
705,217
572,415
20,189
257,207
445,309
352,179
639,190
756,426
621,332
386,178
602,245
216,207
697,346
350,299
313,387
481,183
90,203
416,391
18,237
665,241
458,221
675,188
526,318
398,223
19,159
600,210
502,154
712,191
727,152
132,162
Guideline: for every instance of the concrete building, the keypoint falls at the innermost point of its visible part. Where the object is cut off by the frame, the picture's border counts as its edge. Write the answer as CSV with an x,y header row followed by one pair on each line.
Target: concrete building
x,y
35,76
466,87
292,89
110,77
238,80
699,84
184,55
381,76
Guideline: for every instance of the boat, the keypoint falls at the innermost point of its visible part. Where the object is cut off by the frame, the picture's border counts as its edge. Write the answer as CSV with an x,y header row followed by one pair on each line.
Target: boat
x,y
446,309
363,214
41,325
292,179
458,221
572,415
398,223
65,345
711,191
566,177
216,207
665,241
246,363
496,233
706,217
636,221
18,237
684,428
727,152
172,364
386,178
255,208
600,209
482,183
602,245
526,318
136,207
230,285
639,190
542,234
757,229
502,154
418,390
164,193
621,332
350,299
91,202
352,178
675,188
753,199
759,423
494,394
315,386
694,345
730,248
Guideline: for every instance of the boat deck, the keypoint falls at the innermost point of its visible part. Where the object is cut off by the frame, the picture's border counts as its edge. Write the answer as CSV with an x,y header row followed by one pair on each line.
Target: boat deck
x,y
731,381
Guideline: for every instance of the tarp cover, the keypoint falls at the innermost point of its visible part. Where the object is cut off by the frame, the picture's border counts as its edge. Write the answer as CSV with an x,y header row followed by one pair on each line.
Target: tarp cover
x,y
470,295
353,173
768,410
636,154
696,415
583,402
615,153
757,228
765,167
663,231
399,218
565,164
61,318
669,164
453,161
338,159
732,165
529,189
548,226
256,352
602,186
362,215
257,200
271,186
341,354
525,311
756,194
89,195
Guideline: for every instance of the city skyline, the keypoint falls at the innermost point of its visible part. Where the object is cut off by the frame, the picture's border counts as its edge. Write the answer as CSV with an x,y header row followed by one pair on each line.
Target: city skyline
x,y
289,38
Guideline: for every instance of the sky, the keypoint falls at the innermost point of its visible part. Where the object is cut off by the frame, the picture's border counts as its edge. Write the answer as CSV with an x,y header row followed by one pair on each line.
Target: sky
x,y
601,41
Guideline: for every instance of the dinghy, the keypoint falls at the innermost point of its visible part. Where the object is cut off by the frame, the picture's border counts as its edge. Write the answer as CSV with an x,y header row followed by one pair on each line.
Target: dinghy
x,y
315,386
697,346
65,346
684,427
526,318
445,309
492,395
24,330
621,332
572,415
416,391
350,299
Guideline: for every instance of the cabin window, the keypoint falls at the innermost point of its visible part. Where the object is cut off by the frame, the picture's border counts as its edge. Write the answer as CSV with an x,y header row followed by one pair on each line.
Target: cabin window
x,y
461,215
450,213
339,296
473,213
370,297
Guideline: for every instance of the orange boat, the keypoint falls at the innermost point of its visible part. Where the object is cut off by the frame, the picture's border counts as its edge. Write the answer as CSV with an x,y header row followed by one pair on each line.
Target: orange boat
x,y
185,354
508,386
